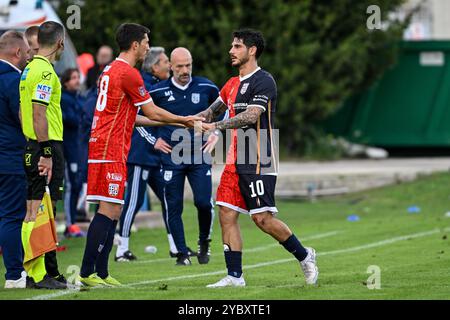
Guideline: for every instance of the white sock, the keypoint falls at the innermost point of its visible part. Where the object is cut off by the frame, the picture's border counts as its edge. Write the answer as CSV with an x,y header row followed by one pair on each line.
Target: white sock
x,y
122,247
173,247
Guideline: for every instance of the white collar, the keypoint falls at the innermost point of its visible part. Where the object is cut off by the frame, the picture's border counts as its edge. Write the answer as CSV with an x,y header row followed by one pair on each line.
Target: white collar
x,y
249,75
17,69
180,86
120,59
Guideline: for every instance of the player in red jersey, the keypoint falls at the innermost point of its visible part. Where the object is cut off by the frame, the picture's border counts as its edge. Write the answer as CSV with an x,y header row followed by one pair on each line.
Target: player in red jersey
x,y
121,92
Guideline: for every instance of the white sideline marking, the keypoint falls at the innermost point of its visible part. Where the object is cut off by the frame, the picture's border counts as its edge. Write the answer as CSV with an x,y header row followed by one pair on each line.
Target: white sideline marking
x,y
258,265
317,236
149,261
255,249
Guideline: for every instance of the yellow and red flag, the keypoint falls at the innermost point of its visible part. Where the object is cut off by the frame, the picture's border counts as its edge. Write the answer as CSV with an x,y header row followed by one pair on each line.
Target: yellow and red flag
x,y
39,237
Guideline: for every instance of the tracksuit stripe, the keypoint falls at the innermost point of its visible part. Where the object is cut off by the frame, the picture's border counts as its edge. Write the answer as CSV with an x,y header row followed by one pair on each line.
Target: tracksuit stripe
x,y
133,199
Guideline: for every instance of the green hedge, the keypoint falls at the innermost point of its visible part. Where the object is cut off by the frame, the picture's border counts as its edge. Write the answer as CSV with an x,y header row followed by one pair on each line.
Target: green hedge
x,y
319,52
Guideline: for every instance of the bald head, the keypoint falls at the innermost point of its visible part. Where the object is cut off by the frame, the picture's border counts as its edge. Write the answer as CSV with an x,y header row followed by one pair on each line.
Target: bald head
x,y
181,61
180,53
14,48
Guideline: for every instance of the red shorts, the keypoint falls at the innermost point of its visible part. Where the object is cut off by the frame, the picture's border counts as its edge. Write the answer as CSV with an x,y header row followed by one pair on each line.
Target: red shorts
x,y
106,182
228,193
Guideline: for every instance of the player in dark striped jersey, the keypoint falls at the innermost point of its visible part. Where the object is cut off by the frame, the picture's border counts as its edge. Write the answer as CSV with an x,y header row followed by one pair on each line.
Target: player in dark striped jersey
x,y
248,182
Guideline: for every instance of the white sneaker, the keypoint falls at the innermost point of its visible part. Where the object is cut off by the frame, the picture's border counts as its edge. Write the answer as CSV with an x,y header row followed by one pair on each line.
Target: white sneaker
x,y
228,281
20,283
309,267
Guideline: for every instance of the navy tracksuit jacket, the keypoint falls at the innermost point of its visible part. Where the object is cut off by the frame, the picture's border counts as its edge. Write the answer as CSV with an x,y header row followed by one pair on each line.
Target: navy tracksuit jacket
x,y
188,100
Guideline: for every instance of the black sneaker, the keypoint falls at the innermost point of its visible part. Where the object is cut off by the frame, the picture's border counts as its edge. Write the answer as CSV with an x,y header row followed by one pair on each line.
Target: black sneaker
x,y
203,251
50,283
190,253
183,260
126,257
61,279
30,283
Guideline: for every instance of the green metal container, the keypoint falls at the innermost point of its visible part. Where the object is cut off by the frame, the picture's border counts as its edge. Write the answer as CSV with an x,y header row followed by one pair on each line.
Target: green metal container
x,y
408,107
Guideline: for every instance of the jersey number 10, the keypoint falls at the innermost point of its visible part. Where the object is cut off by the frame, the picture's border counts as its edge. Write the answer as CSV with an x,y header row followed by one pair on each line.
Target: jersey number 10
x,y
259,188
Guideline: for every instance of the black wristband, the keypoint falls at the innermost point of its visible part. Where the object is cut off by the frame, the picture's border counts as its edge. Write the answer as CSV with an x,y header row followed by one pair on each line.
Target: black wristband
x,y
46,149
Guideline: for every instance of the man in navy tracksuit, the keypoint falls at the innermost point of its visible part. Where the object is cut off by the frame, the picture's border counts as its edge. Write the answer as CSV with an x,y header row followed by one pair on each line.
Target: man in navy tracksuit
x,y
71,106
14,52
144,163
183,94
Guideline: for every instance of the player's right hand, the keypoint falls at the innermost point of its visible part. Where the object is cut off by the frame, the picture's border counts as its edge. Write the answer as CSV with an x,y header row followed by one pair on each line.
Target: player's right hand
x,y
193,121
210,143
163,146
45,166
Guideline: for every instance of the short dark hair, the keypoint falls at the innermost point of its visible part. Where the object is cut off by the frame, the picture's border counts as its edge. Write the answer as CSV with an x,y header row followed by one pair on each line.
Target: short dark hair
x,y
67,75
11,39
49,33
31,31
127,33
251,38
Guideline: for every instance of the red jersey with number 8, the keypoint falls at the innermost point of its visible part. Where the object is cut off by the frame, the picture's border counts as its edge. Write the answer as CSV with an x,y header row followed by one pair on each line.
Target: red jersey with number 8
x,y
121,91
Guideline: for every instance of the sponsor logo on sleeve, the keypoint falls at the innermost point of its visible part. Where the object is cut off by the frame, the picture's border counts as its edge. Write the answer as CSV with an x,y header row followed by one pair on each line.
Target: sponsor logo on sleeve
x,y
46,75
260,98
43,92
142,91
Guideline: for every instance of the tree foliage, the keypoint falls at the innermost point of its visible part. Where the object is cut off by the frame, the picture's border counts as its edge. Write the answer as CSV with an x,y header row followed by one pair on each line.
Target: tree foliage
x,y
319,51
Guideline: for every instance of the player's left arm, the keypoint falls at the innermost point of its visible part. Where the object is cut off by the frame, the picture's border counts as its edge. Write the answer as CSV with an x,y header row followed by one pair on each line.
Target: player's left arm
x,y
216,109
143,121
264,90
133,85
248,117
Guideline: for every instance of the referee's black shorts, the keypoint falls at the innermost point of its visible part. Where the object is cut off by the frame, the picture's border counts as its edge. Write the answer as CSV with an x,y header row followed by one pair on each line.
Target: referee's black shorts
x,y
36,183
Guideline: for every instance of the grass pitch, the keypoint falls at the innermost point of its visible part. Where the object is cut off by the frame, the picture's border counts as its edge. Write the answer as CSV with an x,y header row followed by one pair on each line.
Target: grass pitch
x,y
407,254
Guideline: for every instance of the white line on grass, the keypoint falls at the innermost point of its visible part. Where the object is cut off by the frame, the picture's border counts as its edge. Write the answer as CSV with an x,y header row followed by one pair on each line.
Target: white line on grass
x,y
256,249
317,236
258,265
